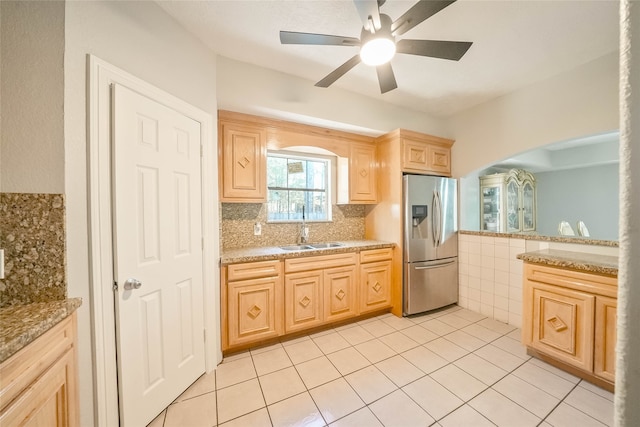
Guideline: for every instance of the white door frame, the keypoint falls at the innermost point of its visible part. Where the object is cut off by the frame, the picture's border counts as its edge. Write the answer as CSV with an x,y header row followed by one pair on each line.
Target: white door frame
x,y
101,76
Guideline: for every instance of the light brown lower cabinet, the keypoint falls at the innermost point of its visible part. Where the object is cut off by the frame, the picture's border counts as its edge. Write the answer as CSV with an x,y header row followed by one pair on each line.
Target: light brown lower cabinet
x,y
267,299
315,294
39,383
375,292
570,318
604,362
253,303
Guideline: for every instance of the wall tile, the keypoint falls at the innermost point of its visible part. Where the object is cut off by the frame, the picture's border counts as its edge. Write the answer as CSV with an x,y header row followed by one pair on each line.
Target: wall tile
x,y
517,243
501,252
501,290
502,277
501,241
488,262
488,250
238,220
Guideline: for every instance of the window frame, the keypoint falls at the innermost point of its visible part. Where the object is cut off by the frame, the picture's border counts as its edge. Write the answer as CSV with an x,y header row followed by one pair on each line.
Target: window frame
x,y
330,178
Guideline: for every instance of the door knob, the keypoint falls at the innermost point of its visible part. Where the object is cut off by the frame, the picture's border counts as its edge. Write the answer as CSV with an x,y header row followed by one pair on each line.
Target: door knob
x,y
131,284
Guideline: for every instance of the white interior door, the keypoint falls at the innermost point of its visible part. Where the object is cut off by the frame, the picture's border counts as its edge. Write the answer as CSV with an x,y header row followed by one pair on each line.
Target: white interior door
x,y
157,254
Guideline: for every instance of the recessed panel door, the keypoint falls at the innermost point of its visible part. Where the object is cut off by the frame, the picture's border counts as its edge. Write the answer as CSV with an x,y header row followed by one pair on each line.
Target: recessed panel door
x,y
157,254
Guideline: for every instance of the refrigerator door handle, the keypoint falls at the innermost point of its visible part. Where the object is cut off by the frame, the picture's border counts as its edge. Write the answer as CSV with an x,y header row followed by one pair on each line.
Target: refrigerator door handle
x,y
437,219
436,264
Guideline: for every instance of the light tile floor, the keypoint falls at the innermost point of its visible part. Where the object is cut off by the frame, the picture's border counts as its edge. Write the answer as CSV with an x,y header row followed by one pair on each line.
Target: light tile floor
x,y
450,368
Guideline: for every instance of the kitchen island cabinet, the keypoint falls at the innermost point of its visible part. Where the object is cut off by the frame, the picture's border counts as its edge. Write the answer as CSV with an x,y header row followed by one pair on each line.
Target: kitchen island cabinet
x,y
569,315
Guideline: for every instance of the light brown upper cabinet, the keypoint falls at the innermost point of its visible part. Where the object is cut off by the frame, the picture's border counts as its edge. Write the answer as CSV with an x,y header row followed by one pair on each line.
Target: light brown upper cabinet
x,y
244,140
362,176
243,161
425,153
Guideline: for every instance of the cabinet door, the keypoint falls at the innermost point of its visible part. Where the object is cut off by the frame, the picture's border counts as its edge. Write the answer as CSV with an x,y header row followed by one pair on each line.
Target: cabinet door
x,y
562,324
339,288
415,155
244,160
375,286
491,207
440,160
303,300
363,175
604,363
46,402
513,206
528,209
254,310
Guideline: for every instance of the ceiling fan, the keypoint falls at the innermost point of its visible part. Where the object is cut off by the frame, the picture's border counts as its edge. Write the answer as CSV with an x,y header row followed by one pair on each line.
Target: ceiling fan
x,y
378,42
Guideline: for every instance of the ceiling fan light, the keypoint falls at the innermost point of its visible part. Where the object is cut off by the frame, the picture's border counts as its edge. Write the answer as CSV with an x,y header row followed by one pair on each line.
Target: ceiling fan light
x,y
377,51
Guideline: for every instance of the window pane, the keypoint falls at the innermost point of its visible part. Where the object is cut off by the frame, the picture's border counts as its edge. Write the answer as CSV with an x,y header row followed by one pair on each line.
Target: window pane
x,y
276,172
316,208
278,205
316,175
297,173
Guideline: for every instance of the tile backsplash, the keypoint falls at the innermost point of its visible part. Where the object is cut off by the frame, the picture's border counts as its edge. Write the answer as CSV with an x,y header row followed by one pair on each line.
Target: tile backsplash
x,y
32,234
238,219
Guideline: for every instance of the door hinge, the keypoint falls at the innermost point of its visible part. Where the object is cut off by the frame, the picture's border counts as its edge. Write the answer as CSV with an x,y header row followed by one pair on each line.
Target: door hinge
x,y
115,286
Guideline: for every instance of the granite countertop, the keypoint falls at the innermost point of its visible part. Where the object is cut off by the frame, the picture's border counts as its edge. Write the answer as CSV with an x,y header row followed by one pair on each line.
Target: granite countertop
x,y
22,324
532,235
590,263
234,256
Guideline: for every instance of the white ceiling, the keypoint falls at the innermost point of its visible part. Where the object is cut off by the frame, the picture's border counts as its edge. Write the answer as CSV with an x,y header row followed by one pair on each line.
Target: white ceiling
x,y
516,43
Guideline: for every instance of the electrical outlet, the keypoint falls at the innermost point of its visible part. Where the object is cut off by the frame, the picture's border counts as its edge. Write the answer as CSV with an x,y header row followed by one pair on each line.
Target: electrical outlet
x,y
257,229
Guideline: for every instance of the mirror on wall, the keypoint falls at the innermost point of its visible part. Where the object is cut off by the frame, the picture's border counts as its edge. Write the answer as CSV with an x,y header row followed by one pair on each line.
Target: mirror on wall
x,y
576,182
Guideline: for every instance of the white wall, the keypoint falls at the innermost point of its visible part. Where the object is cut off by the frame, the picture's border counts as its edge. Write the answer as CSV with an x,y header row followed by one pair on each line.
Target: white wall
x,y
142,39
31,83
250,89
581,102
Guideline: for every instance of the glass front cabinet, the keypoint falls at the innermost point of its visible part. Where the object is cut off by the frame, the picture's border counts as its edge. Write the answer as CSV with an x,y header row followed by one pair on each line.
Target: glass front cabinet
x,y
508,202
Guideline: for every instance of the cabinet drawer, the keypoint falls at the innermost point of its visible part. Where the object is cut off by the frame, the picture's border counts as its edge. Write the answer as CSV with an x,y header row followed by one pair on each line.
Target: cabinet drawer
x,y
252,270
375,255
577,280
294,265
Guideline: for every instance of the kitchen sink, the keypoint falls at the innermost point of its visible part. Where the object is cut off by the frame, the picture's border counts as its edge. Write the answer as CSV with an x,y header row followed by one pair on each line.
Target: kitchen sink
x,y
326,245
296,247
310,246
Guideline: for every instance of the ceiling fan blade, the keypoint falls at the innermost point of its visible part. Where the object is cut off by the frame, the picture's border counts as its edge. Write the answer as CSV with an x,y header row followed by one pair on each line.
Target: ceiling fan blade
x,y
366,9
386,78
292,37
433,48
418,13
339,72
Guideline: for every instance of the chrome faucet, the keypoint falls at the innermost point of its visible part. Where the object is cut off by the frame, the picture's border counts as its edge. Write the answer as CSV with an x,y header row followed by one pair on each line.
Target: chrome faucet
x,y
304,230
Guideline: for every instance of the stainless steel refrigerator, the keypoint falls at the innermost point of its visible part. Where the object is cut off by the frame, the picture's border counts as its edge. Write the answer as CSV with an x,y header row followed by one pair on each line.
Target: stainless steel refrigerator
x,y
430,243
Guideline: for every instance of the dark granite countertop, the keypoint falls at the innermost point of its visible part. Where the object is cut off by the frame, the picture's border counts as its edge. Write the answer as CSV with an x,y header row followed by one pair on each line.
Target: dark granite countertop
x,y
234,256
22,324
590,263
535,236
